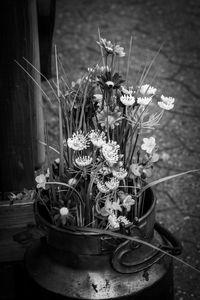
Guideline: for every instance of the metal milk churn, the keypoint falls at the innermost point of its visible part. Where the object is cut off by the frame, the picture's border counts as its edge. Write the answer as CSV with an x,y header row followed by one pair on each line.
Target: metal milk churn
x,y
73,264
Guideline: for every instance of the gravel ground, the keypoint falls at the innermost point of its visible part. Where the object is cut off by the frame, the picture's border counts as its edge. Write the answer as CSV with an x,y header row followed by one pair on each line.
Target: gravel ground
x,y
150,23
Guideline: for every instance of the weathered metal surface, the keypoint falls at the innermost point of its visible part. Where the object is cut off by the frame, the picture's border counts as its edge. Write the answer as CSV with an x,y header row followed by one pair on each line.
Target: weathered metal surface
x,y
77,266
97,280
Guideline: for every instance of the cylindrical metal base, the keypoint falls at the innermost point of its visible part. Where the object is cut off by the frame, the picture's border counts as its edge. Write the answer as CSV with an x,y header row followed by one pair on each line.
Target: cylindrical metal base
x,y
54,280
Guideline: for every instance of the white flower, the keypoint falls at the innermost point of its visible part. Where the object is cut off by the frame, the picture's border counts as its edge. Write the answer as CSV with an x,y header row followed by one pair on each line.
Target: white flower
x,y
128,202
113,222
116,206
72,181
110,152
127,100
78,141
57,161
120,174
110,207
97,138
64,214
110,48
127,91
146,89
83,161
123,219
136,169
48,173
118,50
64,211
41,181
102,187
112,184
107,45
148,144
167,103
144,100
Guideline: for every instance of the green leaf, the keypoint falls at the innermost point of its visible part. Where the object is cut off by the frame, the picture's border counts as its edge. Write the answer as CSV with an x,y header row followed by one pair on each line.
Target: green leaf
x,y
165,179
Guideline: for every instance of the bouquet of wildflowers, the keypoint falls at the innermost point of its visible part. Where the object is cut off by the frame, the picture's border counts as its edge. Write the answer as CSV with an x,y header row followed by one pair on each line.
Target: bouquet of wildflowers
x,y
107,147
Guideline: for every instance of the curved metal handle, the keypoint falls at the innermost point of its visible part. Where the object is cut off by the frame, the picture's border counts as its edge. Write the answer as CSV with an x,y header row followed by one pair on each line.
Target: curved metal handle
x,y
174,246
151,256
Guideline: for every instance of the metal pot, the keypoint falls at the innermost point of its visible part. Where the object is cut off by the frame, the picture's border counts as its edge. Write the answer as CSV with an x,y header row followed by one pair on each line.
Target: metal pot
x,y
89,265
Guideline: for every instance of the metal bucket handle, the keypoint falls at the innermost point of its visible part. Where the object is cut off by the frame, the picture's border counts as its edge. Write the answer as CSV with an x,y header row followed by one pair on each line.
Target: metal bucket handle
x,y
175,246
170,244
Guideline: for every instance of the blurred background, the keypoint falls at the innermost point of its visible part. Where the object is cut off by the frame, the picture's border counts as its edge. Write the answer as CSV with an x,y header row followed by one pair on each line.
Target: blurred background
x,y
176,23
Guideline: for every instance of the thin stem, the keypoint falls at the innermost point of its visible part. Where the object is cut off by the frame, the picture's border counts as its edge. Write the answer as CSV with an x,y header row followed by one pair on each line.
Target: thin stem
x,y
61,165
150,65
49,83
38,85
129,56
103,61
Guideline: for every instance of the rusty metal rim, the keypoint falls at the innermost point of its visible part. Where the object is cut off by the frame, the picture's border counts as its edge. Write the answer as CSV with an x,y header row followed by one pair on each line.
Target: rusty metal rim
x,y
74,230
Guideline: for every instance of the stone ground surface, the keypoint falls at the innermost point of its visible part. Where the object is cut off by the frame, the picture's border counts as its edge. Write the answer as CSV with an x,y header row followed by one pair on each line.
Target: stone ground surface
x,y
150,23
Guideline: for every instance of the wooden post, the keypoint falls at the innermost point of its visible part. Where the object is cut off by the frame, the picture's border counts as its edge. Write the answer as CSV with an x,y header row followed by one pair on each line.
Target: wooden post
x,y
21,121
46,20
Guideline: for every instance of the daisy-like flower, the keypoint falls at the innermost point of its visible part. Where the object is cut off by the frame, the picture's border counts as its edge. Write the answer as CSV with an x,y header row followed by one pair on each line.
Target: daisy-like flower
x,y
41,181
102,187
120,174
148,144
83,161
97,138
112,184
128,202
72,181
110,48
144,100
167,103
109,83
110,152
106,45
78,141
146,89
127,100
